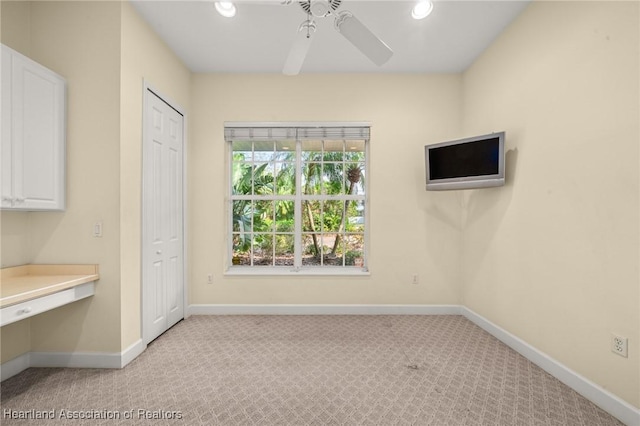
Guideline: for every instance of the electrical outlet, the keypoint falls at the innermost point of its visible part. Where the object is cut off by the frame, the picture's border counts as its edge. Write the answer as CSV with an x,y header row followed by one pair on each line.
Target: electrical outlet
x,y
415,279
210,279
619,345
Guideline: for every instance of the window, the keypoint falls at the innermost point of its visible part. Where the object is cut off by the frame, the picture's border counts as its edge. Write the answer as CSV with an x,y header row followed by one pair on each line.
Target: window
x,y
298,198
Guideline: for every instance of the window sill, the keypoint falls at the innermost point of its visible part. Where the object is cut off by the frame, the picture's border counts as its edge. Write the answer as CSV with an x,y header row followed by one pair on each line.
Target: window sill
x,y
289,271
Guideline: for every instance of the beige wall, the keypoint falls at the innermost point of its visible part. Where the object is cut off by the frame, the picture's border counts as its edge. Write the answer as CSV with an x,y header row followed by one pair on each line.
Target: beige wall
x,y
553,256
16,24
411,232
143,57
81,41
104,50
15,242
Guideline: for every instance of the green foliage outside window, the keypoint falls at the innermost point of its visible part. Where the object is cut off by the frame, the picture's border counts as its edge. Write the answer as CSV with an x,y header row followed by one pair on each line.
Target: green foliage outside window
x,y
264,186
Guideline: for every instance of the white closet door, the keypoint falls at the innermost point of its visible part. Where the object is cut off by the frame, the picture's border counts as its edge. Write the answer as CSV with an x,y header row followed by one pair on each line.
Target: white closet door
x,y
163,240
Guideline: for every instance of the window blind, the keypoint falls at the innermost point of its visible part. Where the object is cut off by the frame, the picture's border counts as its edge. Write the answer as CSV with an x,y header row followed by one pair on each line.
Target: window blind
x,y
267,133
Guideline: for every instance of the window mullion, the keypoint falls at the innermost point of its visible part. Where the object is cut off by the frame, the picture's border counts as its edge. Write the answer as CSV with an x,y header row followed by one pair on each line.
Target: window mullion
x,y
253,201
297,258
366,206
343,232
230,206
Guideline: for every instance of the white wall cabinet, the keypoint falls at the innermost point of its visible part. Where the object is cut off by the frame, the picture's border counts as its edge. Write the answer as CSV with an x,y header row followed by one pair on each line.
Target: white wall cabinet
x,y
33,135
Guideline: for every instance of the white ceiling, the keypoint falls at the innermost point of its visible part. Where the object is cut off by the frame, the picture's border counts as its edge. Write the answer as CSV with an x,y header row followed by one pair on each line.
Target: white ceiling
x,y
259,37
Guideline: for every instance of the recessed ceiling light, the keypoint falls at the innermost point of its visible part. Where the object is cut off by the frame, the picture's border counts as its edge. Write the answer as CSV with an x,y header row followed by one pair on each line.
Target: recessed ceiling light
x,y
422,9
226,9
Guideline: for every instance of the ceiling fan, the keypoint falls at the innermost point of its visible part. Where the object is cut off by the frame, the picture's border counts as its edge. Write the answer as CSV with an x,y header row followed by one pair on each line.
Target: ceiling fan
x,y
344,22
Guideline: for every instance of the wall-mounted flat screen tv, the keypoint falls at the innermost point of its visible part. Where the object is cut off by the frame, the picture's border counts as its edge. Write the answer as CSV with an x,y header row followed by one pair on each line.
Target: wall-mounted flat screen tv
x,y
475,162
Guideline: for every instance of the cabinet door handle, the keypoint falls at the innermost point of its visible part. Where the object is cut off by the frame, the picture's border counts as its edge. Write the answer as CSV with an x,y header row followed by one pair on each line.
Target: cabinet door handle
x,y
158,251
25,310
7,199
20,200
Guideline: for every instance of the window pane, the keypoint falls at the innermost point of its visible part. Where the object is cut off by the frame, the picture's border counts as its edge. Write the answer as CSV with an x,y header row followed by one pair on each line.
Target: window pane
x,y
333,150
286,151
354,151
333,257
263,216
241,179
241,216
354,178
263,249
333,180
354,249
311,249
285,178
263,151
311,178
284,249
311,216
311,150
263,179
242,150
241,254
285,216
355,216
332,215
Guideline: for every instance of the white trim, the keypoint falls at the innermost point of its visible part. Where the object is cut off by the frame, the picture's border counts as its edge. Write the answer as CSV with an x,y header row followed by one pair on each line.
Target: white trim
x,y
71,360
75,359
292,271
131,353
15,366
185,217
324,310
609,402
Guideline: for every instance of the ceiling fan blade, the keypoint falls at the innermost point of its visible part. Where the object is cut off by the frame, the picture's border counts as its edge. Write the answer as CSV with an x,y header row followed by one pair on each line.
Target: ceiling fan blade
x,y
300,48
362,38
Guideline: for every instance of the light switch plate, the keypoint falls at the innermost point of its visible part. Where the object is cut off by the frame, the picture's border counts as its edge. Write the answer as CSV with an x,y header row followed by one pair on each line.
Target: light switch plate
x,y
97,229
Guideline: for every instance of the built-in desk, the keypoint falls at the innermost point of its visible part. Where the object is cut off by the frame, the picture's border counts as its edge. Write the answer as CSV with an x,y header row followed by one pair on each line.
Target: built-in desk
x,y
32,289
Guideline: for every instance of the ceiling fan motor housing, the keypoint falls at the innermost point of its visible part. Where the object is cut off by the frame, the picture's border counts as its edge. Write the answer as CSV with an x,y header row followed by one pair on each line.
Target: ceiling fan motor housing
x,y
320,8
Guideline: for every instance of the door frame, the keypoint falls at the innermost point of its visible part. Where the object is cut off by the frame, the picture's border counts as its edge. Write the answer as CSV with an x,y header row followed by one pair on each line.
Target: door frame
x,y
148,87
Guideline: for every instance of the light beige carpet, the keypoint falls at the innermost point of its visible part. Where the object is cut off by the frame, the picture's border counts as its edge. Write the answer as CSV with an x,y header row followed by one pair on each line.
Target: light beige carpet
x,y
309,370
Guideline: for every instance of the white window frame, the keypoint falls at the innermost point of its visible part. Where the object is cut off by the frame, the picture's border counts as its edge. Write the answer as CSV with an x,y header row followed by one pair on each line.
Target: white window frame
x,y
298,131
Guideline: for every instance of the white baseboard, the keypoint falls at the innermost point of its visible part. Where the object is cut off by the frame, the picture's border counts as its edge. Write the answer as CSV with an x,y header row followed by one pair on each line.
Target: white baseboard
x,y
75,359
612,404
131,353
324,310
15,366
71,360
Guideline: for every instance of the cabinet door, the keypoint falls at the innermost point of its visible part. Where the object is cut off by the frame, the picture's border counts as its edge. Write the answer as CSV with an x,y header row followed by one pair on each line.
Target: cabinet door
x,y
6,179
32,153
38,136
